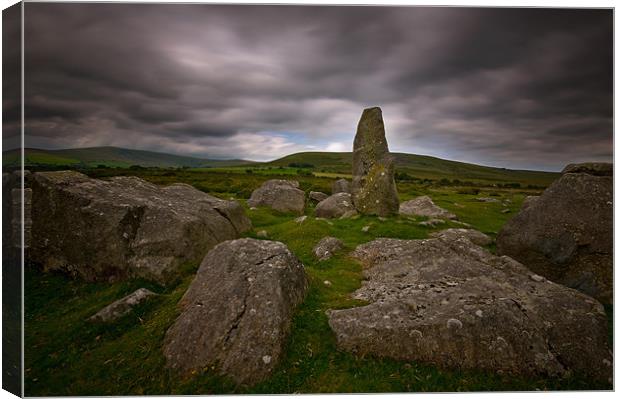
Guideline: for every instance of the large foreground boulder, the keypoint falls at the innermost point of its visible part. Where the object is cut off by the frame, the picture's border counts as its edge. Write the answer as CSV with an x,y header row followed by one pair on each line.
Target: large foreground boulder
x,y
566,234
373,187
424,206
237,312
125,226
281,195
452,303
335,206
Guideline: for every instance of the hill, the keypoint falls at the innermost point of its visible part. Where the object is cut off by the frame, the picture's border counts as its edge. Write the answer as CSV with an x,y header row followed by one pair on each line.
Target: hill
x,y
114,157
418,166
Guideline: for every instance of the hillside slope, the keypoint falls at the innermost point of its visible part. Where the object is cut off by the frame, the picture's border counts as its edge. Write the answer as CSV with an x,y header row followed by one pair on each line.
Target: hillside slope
x,y
114,157
419,166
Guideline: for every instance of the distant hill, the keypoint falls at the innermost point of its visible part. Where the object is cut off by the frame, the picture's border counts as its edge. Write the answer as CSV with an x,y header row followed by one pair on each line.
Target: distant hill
x,y
320,163
419,166
114,157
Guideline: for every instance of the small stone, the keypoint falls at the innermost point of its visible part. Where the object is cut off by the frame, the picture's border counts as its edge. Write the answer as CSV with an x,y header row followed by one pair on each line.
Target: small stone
x,y
505,210
266,359
537,278
365,229
479,313
262,234
301,219
327,283
454,324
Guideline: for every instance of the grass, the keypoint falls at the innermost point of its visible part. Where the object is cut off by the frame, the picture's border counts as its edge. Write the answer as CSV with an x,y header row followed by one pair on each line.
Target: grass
x,y
67,355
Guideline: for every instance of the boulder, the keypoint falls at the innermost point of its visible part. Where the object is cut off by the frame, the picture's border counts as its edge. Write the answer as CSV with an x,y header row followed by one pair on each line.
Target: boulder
x,y
472,235
125,227
326,248
281,195
123,306
590,168
487,199
373,187
424,206
566,234
317,196
335,206
237,312
341,186
454,304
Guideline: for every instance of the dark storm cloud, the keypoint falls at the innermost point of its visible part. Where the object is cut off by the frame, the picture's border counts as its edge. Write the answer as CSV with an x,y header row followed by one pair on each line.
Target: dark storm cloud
x,y
527,88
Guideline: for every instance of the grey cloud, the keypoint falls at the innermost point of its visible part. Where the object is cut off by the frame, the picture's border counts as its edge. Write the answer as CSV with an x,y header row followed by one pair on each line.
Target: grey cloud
x,y
527,88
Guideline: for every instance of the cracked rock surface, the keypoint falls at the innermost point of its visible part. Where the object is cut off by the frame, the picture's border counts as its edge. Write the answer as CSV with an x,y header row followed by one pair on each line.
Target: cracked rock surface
x,y
449,302
237,312
125,226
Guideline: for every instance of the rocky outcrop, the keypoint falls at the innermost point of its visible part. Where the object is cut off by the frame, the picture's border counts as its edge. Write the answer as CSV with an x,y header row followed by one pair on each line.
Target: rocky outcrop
x,y
472,235
566,234
281,195
326,248
424,206
123,306
317,196
373,187
125,226
335,206
237,312
454,304
341,186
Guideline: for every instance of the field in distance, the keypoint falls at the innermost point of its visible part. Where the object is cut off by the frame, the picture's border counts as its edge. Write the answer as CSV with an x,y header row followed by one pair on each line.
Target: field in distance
x,y
409,167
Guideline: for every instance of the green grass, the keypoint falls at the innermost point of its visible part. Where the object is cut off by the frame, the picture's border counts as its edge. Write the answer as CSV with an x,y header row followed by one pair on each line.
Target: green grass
x,y
66,355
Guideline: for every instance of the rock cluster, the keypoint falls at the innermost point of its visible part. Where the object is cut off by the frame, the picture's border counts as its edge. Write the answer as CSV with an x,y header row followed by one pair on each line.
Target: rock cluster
x,y
125,226
281,195
373,187
237,312
566,234
452,303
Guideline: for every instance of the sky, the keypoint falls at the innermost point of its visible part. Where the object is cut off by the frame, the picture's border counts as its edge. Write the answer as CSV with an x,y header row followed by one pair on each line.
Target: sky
x,y
515,88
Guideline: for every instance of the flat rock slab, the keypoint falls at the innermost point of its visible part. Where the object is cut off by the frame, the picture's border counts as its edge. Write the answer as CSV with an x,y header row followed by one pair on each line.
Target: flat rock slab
x,y
281,195
472,235
566,234
326,248
456,305
424,206
335,206
237,312
125,226
123,306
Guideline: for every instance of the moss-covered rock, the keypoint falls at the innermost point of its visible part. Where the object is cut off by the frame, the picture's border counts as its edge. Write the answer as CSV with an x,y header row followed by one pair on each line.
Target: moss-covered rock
x,y
373,187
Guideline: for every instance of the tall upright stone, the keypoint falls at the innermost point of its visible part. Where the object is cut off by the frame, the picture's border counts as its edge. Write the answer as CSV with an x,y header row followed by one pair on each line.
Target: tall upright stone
x,y
373,187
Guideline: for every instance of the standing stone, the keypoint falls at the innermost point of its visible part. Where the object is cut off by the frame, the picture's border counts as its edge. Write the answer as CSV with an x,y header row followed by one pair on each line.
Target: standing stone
x,y
373,187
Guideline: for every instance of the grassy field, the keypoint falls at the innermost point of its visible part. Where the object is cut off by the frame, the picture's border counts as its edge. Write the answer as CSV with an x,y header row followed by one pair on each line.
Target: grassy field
x,y
66,355
409,167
